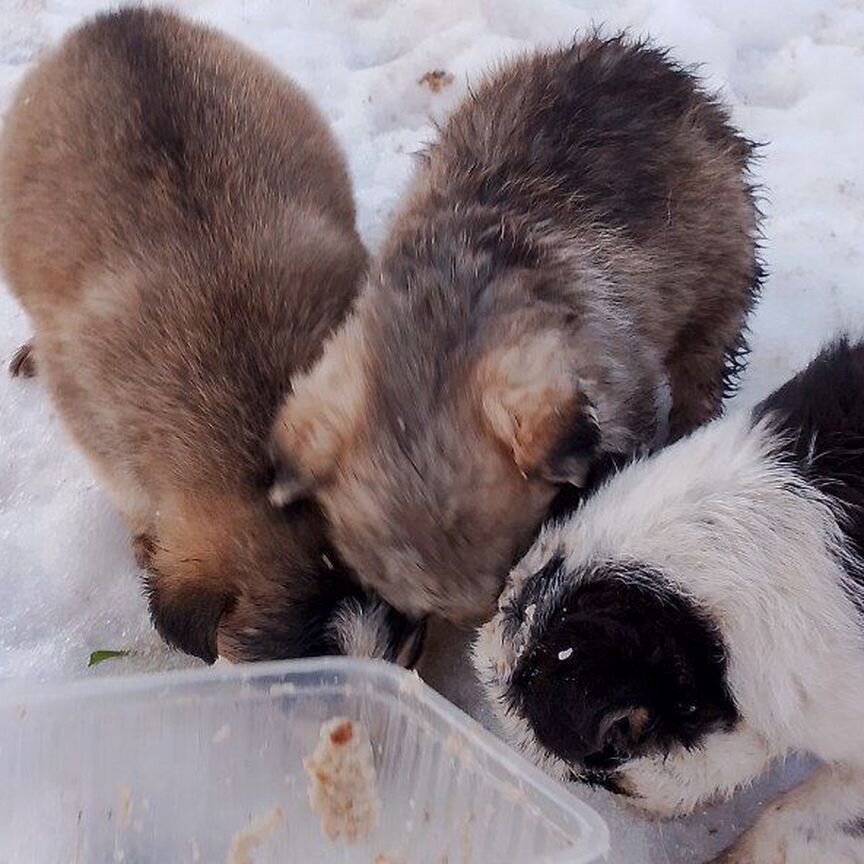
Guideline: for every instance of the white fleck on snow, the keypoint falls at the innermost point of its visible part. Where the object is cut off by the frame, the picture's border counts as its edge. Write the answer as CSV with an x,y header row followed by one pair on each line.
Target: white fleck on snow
x,y
794,74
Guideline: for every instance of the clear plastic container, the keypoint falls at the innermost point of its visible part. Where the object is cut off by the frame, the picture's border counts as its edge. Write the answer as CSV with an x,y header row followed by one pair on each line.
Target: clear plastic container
x,y
179,767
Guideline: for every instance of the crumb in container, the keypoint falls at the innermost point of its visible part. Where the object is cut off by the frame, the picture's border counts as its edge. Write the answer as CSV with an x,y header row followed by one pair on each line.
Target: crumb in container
x,y
223,733
343,785
125,817
244,842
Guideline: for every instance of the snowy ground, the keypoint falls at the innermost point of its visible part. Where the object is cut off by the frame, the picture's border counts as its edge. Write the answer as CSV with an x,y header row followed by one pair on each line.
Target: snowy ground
x,y
794,73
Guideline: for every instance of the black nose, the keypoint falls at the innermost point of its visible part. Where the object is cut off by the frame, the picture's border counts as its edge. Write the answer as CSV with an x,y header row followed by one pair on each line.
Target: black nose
x,y
618,736
613,749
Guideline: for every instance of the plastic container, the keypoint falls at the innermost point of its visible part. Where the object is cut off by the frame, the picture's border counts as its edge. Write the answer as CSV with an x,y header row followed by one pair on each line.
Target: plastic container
x,y
176,768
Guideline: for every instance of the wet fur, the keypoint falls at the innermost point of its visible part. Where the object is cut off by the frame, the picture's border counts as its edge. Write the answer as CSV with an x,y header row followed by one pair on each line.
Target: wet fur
x,y
569,278
178,222
755,524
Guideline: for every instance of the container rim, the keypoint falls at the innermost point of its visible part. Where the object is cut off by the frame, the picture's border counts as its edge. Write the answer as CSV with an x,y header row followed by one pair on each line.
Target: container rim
x,y
17,694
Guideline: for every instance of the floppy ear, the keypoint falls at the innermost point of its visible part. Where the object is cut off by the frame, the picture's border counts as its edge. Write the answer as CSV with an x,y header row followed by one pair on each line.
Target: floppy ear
x,y
318,418
532,403
187,615
188,577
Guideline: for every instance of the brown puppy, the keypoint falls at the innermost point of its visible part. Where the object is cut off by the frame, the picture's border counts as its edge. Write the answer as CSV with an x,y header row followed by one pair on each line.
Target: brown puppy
x,y
576,258
178,222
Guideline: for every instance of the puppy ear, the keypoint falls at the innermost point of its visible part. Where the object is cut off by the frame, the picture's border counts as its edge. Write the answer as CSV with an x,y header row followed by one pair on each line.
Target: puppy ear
x,y
532,403
187,615
318,418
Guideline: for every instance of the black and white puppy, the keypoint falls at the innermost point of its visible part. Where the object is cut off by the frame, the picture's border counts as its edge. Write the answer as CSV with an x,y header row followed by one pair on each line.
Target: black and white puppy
x,y
701,616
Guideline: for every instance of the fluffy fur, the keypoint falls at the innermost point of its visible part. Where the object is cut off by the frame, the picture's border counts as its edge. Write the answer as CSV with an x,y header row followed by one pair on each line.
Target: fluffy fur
x,y
178,222
569,277
750,529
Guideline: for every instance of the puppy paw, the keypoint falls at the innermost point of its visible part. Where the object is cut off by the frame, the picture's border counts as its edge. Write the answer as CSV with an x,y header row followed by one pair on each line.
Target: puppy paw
x,y
23,364
657,791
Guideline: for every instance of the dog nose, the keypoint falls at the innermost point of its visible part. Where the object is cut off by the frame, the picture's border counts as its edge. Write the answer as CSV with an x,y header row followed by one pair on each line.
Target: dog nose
x,y
618,734
605,757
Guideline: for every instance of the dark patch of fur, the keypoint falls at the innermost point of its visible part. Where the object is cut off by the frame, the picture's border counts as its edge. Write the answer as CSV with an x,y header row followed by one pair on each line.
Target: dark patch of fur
x,y
580,444
821,414
132,37
570,497
585,127
600,780
407,638
636,644
309,634
854,828
532,590
302,625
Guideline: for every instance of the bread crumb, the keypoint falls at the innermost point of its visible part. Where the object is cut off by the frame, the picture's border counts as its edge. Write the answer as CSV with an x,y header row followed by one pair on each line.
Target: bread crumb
x,y
342,773
125,807
222,734
411,683
279,690
468,837
244,842
436,80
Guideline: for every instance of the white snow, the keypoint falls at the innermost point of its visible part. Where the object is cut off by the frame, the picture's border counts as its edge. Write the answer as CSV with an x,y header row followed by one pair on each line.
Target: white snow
x,y
794,74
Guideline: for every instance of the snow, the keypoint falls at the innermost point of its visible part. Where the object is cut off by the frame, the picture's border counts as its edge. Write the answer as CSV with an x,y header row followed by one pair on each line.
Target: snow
x,y
794,74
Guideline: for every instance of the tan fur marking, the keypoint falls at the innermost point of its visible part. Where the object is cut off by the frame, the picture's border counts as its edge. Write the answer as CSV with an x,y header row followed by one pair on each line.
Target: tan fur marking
x,y
323,413
528,395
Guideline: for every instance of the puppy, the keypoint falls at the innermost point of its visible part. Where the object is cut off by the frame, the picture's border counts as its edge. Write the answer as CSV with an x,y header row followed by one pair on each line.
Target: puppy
x,y
569,277
701,616
178,222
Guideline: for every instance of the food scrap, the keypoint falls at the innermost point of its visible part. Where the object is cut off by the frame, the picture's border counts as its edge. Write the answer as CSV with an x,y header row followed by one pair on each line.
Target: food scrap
x,y
251,838
436,80
343,784
97,657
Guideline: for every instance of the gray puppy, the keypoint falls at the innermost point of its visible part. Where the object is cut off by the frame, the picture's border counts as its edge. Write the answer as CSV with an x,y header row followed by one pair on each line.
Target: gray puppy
x,y
569,277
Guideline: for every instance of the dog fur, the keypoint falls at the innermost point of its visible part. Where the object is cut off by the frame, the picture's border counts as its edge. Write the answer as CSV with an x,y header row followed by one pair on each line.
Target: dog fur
x,y
569,277
178,222
749,531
